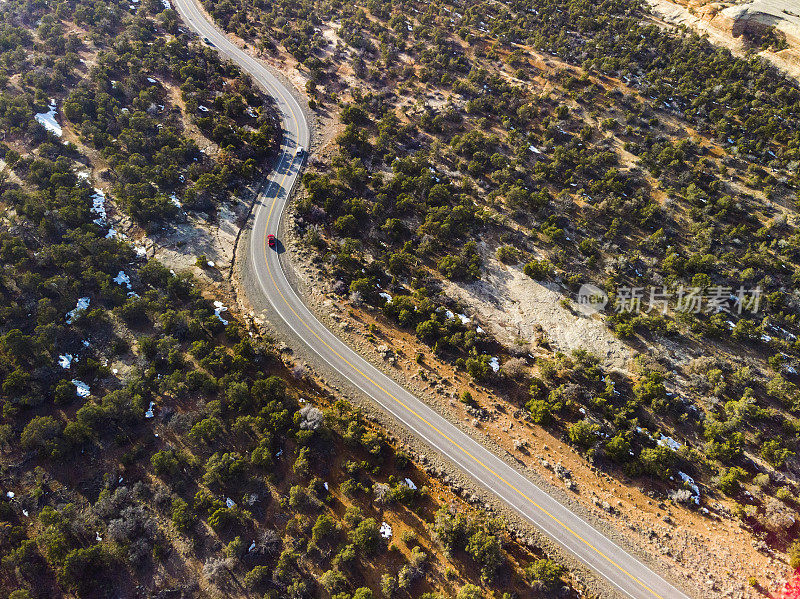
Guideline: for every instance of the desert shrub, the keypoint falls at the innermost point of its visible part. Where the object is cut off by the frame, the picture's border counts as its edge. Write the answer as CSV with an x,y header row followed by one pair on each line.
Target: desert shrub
x,y
545,571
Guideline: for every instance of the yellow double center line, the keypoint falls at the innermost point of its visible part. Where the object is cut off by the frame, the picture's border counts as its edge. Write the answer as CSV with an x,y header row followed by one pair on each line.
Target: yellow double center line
x,y
415,413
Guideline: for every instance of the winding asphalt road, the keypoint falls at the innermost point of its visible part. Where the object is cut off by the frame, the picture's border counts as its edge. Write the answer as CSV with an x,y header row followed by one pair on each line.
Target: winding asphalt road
x,y
622,571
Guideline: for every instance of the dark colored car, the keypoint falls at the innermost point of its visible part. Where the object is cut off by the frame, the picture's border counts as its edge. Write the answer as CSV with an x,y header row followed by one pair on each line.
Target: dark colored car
x,y
271,241
208,42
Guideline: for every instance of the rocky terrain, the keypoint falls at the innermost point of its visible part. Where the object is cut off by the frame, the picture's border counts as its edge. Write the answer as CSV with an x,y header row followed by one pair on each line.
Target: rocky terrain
x,y
729,24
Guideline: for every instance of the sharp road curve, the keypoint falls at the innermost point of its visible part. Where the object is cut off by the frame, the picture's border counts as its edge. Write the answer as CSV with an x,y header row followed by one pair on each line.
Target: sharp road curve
x,y
623,572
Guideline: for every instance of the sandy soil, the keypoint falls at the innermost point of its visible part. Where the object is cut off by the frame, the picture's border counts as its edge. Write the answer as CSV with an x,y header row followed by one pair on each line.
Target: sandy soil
x,y
514,308
9,172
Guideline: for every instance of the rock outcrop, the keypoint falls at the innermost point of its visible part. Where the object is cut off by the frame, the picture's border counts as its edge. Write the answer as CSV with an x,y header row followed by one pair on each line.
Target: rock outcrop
x,y
729,23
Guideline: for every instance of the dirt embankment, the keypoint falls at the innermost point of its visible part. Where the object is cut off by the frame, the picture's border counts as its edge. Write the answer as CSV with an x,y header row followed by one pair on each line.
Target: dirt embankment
x,y
729,23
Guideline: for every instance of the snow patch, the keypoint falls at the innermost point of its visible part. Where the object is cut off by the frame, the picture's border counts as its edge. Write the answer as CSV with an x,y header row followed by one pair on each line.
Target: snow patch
x,y
48,119
99,206
219,308
83,304
690,481
410,484
123,279
66,360
495,364
665,441
149,413
81,388
385,530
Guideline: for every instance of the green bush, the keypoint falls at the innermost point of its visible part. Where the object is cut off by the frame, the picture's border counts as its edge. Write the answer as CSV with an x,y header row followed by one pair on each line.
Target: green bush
x,y
470,591
182,515
794,555
658,461
540,410
366,536
538,269
259,578
729,481
583,433
485,549
546,571
164,462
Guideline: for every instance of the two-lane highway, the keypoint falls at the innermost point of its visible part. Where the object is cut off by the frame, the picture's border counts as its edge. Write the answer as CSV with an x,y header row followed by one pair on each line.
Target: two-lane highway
x,y
623,572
